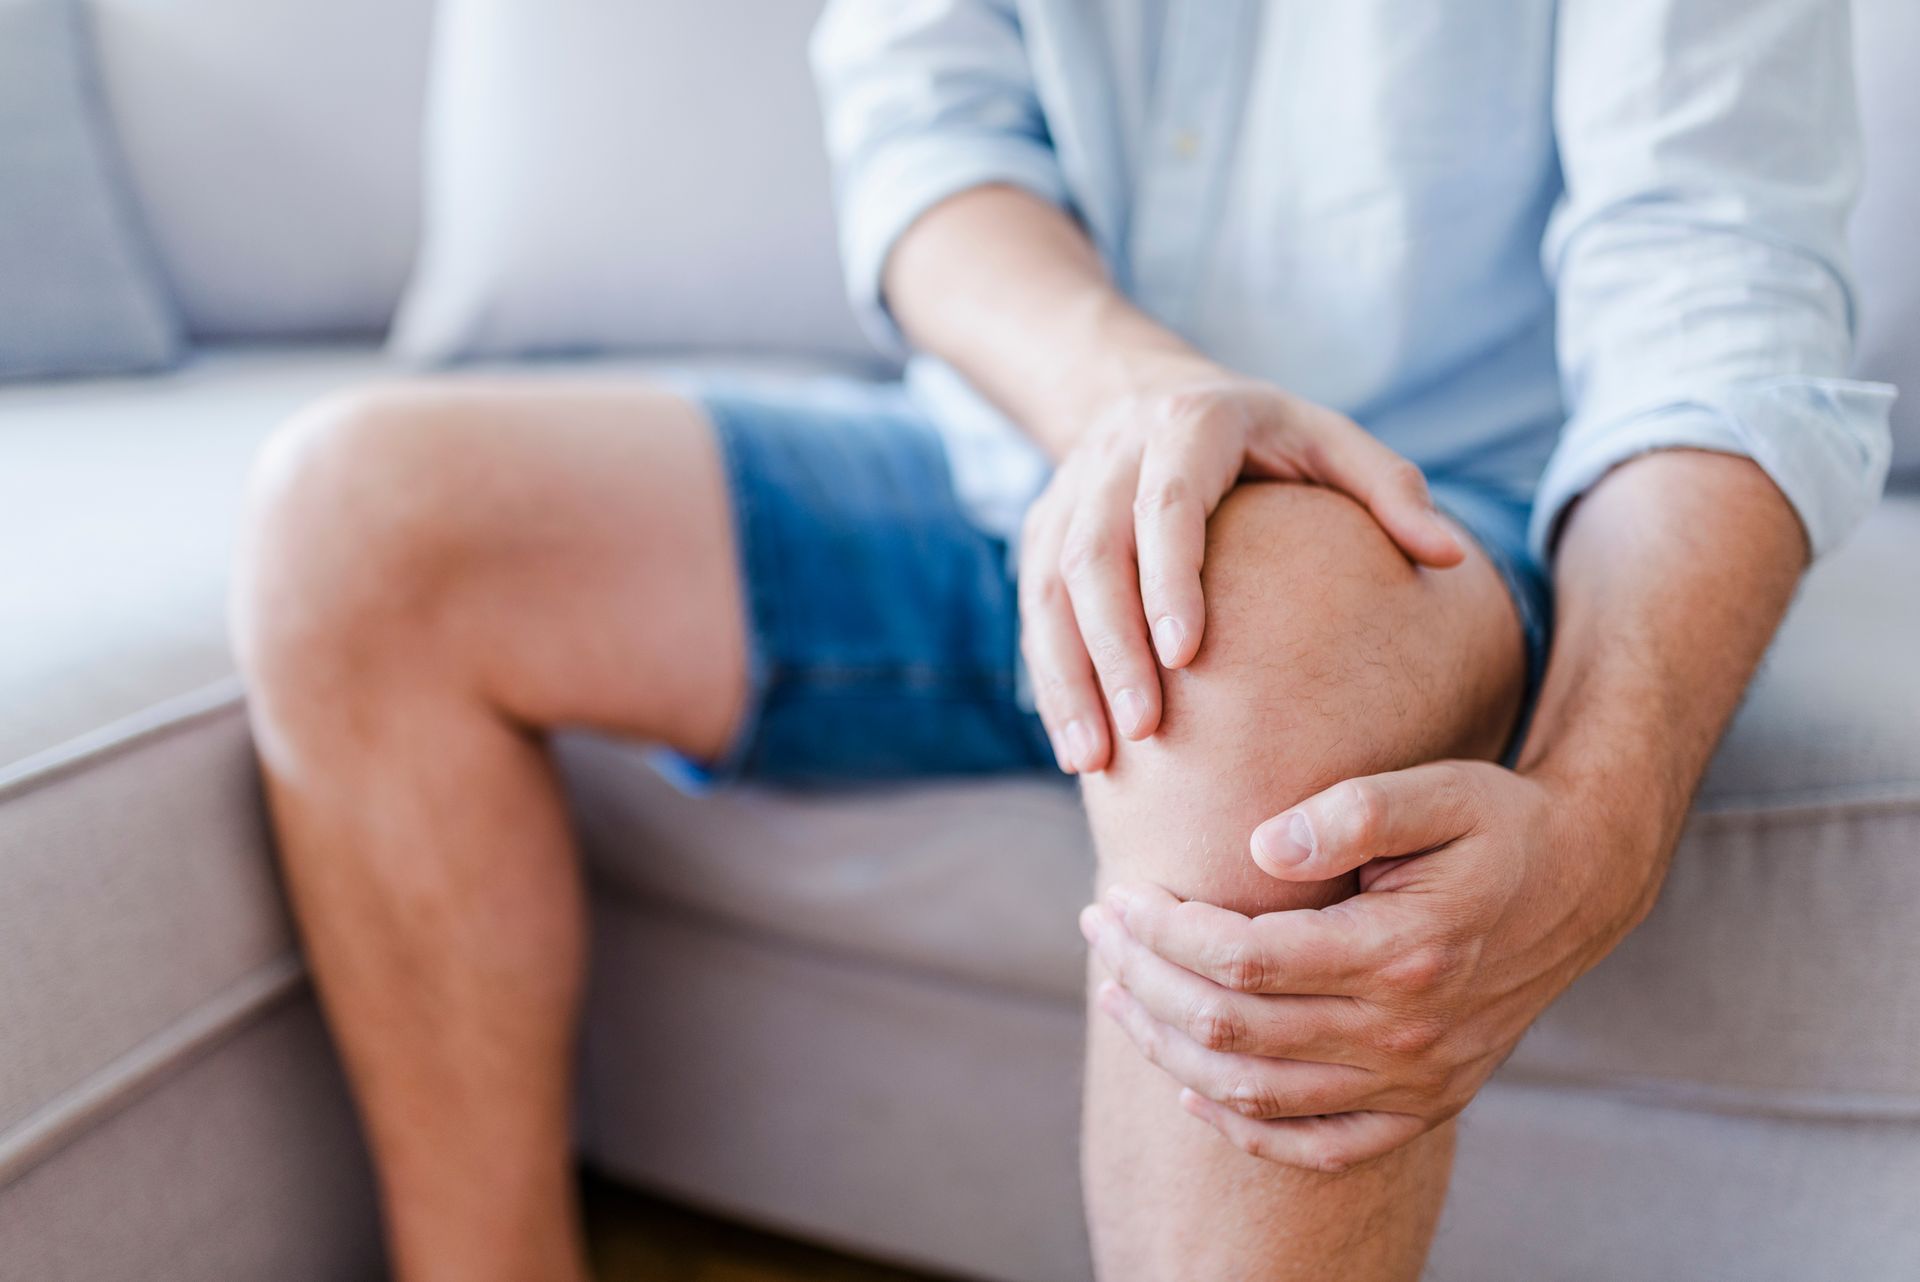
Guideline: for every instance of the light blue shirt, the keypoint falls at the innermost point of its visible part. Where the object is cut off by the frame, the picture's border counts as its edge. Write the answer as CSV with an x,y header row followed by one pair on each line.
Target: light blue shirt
x,y
1520,241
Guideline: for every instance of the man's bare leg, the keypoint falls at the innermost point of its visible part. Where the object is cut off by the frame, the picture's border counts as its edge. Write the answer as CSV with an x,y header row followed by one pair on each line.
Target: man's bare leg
x,y
434,576
1327,655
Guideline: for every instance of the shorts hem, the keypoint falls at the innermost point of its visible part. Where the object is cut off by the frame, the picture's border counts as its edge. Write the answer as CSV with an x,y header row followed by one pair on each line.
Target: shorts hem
x,y
686,773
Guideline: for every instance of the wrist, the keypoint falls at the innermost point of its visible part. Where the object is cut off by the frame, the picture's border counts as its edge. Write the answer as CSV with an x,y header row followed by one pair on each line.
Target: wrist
x,y
1114,356
1616,839
1639,795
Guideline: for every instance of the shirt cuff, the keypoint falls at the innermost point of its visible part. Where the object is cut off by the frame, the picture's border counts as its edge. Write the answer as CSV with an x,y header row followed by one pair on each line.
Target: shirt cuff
x,y
1824,441
905,180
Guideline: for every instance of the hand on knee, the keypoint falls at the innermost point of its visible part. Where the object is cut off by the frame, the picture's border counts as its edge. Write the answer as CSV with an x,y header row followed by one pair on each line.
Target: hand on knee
x,y
1327,1038
1308,1027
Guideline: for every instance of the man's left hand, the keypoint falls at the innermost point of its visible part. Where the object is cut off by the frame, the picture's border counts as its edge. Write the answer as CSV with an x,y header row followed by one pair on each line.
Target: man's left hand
x,y
1324,1038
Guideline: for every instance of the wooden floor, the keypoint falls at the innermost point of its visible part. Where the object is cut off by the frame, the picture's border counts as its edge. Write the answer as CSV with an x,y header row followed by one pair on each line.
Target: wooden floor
x,y
635,1238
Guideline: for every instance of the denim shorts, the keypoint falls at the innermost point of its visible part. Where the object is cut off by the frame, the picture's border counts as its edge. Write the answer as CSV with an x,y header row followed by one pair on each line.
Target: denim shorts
x,y
883,624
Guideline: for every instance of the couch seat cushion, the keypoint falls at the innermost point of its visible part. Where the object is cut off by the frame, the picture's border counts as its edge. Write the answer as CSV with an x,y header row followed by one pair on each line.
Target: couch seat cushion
x,y
118,500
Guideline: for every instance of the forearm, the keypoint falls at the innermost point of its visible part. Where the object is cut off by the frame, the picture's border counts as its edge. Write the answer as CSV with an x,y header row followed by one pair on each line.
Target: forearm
x,y
1007,289
1671,577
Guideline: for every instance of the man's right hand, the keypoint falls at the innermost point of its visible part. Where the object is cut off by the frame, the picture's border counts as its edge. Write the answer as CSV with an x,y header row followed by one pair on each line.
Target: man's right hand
x,y
1149,436
1111,552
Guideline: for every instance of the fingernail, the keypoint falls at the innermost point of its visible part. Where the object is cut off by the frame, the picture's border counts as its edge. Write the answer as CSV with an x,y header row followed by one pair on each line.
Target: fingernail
x,y
1119,901
1080,745
1107,997
1286,841
1167,636
1090,922
1129,710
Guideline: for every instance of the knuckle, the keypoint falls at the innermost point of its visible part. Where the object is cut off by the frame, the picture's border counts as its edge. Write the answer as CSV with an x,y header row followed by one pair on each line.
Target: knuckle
x,y
1328,1157
1115,446
1041,589
1197,412
1419,969
1216,1025
1411,1038
1158,592
1153,1045
1088,552
1160,498
1053,687
1111,654
1406,476
1438,1086
1242,967
1249,1097
1459,785
1187,407
1445,783
1365,804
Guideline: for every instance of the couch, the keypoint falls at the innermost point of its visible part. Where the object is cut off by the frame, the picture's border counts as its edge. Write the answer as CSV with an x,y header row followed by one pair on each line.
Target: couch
x,y
853,1016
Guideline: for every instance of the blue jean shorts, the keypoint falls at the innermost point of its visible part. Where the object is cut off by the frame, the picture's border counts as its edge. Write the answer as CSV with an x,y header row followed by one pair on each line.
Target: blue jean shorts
x,y
883,624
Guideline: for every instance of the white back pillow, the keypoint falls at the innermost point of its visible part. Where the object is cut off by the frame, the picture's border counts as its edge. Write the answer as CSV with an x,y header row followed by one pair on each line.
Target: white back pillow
x,y
624,175
274,147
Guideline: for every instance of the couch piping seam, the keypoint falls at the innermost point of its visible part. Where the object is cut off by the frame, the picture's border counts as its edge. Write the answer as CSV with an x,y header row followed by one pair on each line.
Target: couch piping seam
x,y
1787,1103
1843,801
227,695
123,734
108,1090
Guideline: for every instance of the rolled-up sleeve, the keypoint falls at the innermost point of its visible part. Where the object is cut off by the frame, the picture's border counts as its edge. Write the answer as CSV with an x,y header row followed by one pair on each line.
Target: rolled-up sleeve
x,y
922,99
1710,153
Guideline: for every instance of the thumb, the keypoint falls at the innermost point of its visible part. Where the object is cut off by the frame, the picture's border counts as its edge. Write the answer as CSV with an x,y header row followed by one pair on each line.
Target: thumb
x,y
1375,817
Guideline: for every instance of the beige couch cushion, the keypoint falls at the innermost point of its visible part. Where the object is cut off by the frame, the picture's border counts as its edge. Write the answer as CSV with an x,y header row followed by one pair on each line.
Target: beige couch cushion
x,y
118,500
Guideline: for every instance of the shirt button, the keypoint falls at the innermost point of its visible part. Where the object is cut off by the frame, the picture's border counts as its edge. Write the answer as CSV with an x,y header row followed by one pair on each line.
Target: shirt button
x,y
1186,143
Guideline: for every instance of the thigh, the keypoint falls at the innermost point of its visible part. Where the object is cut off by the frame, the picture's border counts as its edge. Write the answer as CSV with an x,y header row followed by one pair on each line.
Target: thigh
x,y
550,548
775,583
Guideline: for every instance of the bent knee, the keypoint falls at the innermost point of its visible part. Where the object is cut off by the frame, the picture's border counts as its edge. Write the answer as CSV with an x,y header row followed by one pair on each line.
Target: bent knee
x,y
1327,654
1303,669
1300,583
347,526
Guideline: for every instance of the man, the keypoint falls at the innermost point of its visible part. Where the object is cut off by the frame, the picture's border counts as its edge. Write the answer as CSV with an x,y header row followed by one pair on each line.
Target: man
x,y
1204,277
